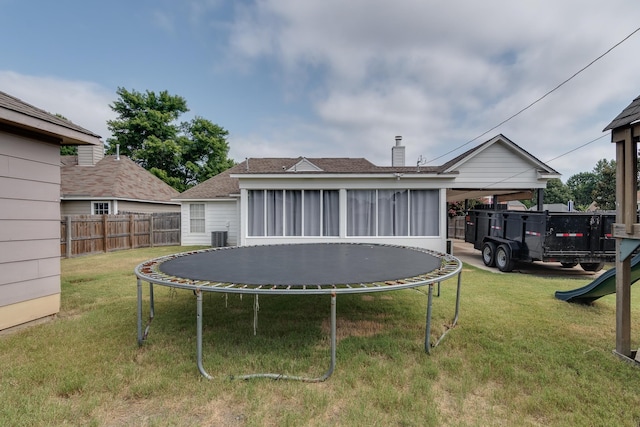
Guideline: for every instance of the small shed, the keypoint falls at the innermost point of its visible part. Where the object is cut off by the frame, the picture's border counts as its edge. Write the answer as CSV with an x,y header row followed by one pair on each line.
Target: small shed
x,y
30,140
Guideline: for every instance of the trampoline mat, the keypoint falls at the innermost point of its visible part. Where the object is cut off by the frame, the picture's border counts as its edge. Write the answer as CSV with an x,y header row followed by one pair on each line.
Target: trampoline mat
x,y
303,264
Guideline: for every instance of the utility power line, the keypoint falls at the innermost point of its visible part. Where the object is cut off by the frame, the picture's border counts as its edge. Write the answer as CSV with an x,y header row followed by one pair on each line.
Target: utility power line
x,y
539,99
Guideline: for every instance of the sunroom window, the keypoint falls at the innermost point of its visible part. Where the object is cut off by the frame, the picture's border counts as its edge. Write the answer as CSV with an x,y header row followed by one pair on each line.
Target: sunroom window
x,y
293,213
392,212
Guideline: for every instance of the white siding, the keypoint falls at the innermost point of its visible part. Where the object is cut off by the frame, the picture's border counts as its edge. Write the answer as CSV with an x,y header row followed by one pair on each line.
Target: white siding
x,y
89,155
219,216
29,226
75,207
498,166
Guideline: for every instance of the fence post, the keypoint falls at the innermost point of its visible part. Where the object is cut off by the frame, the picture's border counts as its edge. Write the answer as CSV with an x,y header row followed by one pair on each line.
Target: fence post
x,y
151,236
68,236
132,234
105,237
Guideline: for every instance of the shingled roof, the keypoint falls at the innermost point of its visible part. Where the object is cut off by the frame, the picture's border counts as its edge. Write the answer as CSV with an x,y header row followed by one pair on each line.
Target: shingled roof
x,y
219,186
18,113
627,116
223,185
226,184
112,178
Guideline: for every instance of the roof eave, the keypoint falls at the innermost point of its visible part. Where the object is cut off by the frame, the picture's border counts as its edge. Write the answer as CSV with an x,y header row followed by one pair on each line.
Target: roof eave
x,y
229,198
302,175
72,198
66,135
547,175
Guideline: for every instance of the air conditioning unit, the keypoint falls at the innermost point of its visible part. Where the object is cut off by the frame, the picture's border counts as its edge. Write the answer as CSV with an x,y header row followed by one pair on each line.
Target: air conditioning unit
x,y
219,239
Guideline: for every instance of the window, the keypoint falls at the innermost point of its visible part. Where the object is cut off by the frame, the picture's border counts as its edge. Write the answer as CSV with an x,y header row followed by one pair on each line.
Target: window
x,y
393,212
196,218
361,212
330,213
293,212
424,212
274,213
100,208
256,213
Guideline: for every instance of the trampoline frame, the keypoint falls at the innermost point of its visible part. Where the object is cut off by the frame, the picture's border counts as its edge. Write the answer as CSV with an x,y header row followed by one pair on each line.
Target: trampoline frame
x,y
149,271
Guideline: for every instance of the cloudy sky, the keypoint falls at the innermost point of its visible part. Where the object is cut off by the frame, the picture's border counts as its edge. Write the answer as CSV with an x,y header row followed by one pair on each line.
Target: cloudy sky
x,y
338,78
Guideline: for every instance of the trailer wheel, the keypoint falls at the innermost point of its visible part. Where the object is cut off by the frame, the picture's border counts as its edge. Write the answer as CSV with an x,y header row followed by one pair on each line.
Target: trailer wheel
x,y
504,259
568,264
489,254
592,266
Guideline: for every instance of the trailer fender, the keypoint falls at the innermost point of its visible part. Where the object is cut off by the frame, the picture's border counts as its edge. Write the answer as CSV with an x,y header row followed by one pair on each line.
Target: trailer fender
x,y
515,247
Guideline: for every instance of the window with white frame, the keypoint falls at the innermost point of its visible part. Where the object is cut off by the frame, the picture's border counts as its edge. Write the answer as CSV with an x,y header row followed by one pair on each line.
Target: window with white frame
x,y
100,208
293,213
196,218
393,212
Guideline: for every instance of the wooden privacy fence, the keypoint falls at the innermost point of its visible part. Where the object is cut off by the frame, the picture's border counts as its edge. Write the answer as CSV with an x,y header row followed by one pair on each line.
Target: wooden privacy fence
x,y
455,227
89,234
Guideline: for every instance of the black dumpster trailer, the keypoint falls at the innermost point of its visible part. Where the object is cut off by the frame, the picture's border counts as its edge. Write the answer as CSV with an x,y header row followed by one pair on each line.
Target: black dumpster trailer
x,y
571,238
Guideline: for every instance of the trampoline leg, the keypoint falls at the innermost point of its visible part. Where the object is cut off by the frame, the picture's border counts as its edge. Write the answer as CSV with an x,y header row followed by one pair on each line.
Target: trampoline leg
x,y
332,365
142,336
152,305
427,334
256,308
199,335
326,375
457,313
333,338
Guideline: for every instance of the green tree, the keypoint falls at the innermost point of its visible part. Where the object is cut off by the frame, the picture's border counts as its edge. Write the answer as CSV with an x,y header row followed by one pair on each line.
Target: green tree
x,y
68,150
604,192
557,192
141,116
181,154
205,150
582,185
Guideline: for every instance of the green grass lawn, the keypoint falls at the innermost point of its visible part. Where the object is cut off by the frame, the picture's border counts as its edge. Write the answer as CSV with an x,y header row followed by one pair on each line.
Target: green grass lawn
x,y
518,357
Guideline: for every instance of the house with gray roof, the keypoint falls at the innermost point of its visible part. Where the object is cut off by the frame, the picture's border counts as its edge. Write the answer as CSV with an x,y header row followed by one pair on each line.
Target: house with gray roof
x,y
307,200
94,184
30,140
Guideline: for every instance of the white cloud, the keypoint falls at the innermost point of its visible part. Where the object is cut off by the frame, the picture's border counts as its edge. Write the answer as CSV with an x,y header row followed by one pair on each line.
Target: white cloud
x,y
84,103
441,74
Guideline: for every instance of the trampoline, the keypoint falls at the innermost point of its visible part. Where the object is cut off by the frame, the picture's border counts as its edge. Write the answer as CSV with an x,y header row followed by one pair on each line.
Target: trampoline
x,y
297,269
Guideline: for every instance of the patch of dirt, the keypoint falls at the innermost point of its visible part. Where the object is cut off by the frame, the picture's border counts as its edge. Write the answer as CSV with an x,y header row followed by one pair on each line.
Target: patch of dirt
x,y
346,328
471,408
219,412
